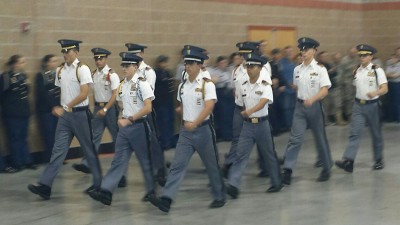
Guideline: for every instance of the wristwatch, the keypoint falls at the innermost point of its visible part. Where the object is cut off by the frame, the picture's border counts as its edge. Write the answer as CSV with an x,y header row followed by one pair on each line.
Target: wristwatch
x,y
131,119
105,109
66,108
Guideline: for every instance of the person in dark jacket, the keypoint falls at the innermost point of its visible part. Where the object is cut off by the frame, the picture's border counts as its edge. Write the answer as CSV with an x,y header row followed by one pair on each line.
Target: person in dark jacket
x,y
47,96
14,90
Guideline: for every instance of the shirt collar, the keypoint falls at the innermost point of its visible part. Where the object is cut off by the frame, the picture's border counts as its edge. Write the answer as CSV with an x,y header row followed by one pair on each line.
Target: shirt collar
x,y
142,65
368,67
312,63
105,69
74,64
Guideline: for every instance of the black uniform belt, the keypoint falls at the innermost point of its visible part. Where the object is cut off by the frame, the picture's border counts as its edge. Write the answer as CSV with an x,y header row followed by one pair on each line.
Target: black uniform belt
x,y
300,100
101,104
140,120
81,108
206,122
256,119
239,107
364,102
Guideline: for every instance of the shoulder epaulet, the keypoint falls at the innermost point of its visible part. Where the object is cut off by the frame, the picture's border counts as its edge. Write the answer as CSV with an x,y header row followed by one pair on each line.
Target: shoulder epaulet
x,y
94,71
142,79
148,68
121,81
320,64
265,82
374,66
111,71
206,79
244,82
62,64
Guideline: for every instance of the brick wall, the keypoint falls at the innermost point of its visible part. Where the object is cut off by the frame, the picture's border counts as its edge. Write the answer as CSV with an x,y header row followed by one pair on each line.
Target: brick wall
x,y
165,26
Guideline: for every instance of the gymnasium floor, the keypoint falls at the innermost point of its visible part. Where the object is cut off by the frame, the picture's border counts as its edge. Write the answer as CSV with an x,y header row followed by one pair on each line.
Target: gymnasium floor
x,y
365,197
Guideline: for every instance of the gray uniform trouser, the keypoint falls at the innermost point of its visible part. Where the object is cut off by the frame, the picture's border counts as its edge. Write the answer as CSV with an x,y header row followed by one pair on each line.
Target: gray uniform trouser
x,y
99,124
156,151
236,129
131,138
260,134
313,117
199,140
363,114
69,125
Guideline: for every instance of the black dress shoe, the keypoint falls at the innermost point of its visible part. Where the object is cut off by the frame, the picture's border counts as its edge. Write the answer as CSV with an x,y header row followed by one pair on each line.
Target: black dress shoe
x,y
102,196
42,190
90,189
273,189
81,167
9,169
287,176
217,204
324,175
162,203
149,196
263,174
232,191
122,183
346,165
318,163
378,165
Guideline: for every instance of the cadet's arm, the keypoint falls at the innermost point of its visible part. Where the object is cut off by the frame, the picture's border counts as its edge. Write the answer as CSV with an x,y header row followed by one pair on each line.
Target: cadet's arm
x,y
208,108
83,94
322,93
147,108
260,105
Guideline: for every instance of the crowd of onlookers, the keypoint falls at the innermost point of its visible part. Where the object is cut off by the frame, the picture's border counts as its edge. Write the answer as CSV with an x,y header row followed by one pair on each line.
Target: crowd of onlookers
x,y
16,112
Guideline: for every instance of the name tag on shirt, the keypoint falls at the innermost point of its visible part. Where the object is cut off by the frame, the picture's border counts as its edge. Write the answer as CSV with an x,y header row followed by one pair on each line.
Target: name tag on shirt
x,y
259,92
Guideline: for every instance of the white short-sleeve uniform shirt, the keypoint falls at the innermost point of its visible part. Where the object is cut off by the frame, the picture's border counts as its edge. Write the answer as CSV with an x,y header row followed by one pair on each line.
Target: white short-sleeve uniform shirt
x,y
192,96
310,79
69,79
251,94
104,82
366,81
132,93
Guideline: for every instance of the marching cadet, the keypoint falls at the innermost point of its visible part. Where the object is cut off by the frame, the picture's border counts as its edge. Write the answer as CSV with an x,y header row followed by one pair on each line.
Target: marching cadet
x,y
371,83
197,96
136,96
255,93
239,75
74,119
312,82
105,84
150,75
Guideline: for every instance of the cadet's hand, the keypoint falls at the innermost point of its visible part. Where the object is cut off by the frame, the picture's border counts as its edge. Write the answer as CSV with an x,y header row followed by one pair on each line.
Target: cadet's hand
x,y
124,122
372,94
190,125
308,103
58,111
101,113
178,110
282,88
245,113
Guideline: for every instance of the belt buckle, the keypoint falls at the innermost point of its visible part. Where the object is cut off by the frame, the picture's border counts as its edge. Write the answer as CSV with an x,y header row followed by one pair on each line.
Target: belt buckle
x,y
254,120
101,104
363,102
